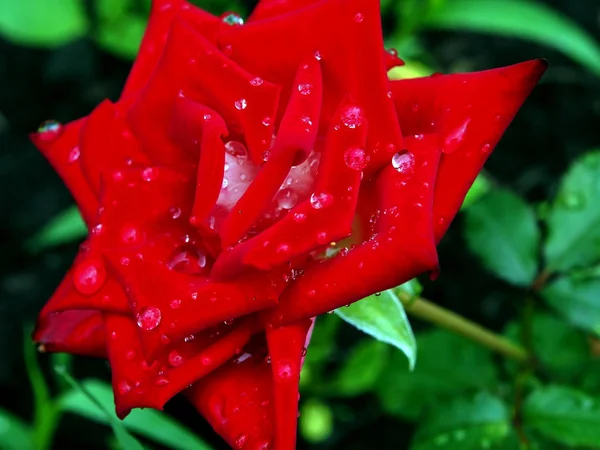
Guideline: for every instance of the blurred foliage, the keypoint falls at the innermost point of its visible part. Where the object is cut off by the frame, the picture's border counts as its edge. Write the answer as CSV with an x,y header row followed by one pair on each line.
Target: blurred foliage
x,y
523,257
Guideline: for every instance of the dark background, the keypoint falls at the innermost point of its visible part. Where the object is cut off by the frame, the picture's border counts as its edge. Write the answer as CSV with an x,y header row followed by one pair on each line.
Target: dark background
x,y
559,122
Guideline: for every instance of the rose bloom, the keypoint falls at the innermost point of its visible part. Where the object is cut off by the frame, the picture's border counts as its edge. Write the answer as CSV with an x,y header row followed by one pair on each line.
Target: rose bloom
x,y
249,178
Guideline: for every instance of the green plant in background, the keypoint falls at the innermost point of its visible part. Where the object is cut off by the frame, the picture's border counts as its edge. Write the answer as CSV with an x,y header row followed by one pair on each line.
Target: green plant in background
x,y
542,394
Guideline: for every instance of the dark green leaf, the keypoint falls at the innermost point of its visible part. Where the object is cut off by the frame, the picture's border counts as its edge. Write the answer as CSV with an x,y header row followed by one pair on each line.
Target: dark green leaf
x,y
14,433
482,422
577,299
501,229
561,350
383,317
43,23
122,36
564,415
525,19
480,187
150,424
68,226
94,407
574,220
362,368
448,365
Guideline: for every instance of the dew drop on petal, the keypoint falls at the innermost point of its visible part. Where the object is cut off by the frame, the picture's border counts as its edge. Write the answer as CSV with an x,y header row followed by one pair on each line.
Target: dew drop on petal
x,y
356,158
352,117
123,387
454,140
305,88
237,149
149,174
131,235
286,198
89,276
404,162
232,18
149,318
266,121
318,56
240,441
74,154
240,104
486,148
284,370
206,361
175,359
359,17
50,130
175,303
187,259
321,200
299,217
256,81
161,381
175,212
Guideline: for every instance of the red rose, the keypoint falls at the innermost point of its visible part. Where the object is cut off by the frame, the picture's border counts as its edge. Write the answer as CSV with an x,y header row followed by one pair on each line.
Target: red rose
x,y
216,188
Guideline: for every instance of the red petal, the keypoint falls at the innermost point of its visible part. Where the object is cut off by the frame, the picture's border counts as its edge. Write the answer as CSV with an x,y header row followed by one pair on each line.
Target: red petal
x,y
61,149
350,68
295,139
267,9
401,247
470,112
77,332
139,384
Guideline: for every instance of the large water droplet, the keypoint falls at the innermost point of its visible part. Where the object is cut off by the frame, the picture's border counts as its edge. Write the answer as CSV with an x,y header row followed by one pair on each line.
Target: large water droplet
x,y
305,88
149,318
240,104
359,17
404,162
237,149
232,18
50,130
175,359
89,276
187,259
356,158
286,198
321,200
352,117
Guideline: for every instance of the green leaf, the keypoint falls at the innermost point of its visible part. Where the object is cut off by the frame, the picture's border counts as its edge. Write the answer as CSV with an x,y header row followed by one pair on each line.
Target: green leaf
x,y
525,19
482,422
122,37
316,421
501,230
94,406
448,366
577,299
43,23
383,317
362,368
66,227
14,433
148,423
574,220
562,351
564,415
481,186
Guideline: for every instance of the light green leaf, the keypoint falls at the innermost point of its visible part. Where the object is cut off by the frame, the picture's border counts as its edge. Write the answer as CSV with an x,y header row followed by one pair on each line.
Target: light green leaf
x,y
448,366
68,226
43,23
148,423
577,299
501,230
564,415
525,19
316,421
574,220
122,36
383,317
481,186
482,422
14,433
100,410
563,351
362,367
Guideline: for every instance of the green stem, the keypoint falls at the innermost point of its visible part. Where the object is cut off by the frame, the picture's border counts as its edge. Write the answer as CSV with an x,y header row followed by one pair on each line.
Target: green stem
x,y
444,318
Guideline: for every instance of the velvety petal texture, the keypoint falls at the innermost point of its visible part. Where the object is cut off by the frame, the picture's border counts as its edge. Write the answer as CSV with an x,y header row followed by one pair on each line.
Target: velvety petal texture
x,y
251,177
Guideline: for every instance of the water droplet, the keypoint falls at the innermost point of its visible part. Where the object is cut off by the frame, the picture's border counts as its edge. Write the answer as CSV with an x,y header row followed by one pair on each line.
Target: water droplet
x,y
175,212
89,276
454,140
207,116
352,117
74,154
266,121
149,318
237,149
486,148
149,174
404,162
175,303
123,387
304,351
283,248
240,441
224,183
299,217
318,56
322,237
307,120
189,338
175,359
228,322
161,381
50,130
305,88
284,370
97,229
256,81
321,200
356,158
187,259
232,18
131,235
359,17
286,198
240,104
206,361
263,445
266,155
